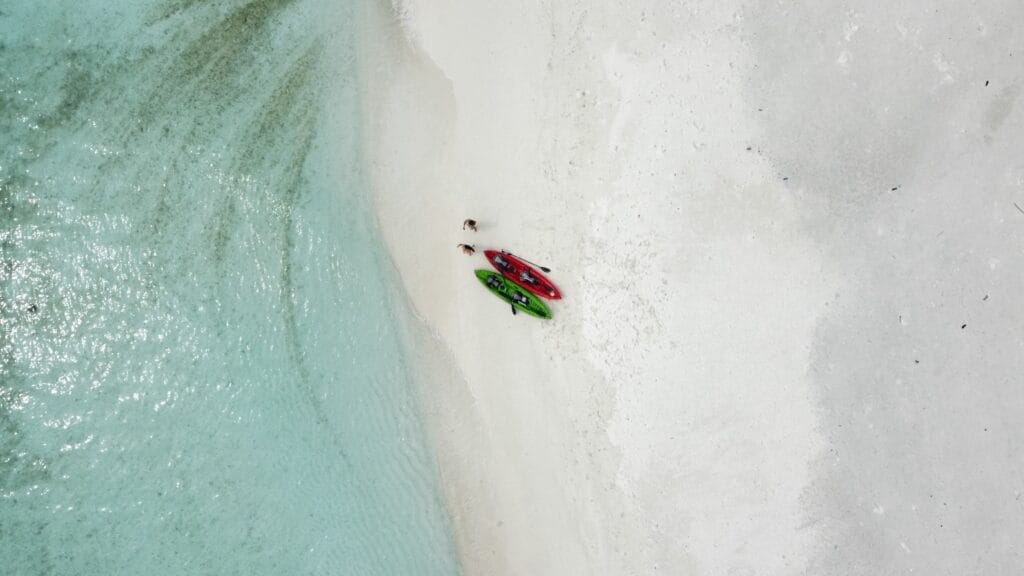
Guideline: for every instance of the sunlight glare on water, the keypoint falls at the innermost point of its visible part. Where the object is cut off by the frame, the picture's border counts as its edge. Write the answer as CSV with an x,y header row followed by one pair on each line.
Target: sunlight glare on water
x,y
199,370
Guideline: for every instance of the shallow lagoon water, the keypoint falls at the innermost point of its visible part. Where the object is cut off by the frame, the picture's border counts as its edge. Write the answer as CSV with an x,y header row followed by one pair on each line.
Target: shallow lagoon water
x,y
199,365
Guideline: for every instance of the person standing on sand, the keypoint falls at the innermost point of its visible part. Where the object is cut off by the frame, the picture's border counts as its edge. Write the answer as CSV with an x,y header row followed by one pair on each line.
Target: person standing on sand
x,y
469,223
467,249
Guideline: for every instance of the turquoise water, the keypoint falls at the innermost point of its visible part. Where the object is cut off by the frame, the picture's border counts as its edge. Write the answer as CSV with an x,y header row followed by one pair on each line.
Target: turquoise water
x,y
199,365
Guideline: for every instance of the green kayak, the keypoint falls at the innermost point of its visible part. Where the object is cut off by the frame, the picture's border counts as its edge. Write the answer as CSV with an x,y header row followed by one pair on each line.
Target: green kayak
x,y
512,294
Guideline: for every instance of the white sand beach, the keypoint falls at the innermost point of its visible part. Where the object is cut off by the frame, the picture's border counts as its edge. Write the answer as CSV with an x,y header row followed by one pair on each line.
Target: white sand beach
x,y
791,340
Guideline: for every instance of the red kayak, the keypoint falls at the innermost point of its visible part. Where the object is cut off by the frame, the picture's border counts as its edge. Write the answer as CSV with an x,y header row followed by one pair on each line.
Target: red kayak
x,y
522,274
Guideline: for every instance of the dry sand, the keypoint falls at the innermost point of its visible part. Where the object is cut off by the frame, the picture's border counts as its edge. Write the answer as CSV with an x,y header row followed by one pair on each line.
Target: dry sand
x,y
792,339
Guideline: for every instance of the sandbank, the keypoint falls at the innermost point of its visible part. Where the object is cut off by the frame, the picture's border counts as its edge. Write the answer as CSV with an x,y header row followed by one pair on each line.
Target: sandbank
x,y
741,206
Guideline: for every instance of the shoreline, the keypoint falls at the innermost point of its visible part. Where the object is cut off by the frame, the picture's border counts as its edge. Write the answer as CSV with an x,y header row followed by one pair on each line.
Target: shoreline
x,y
512,505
